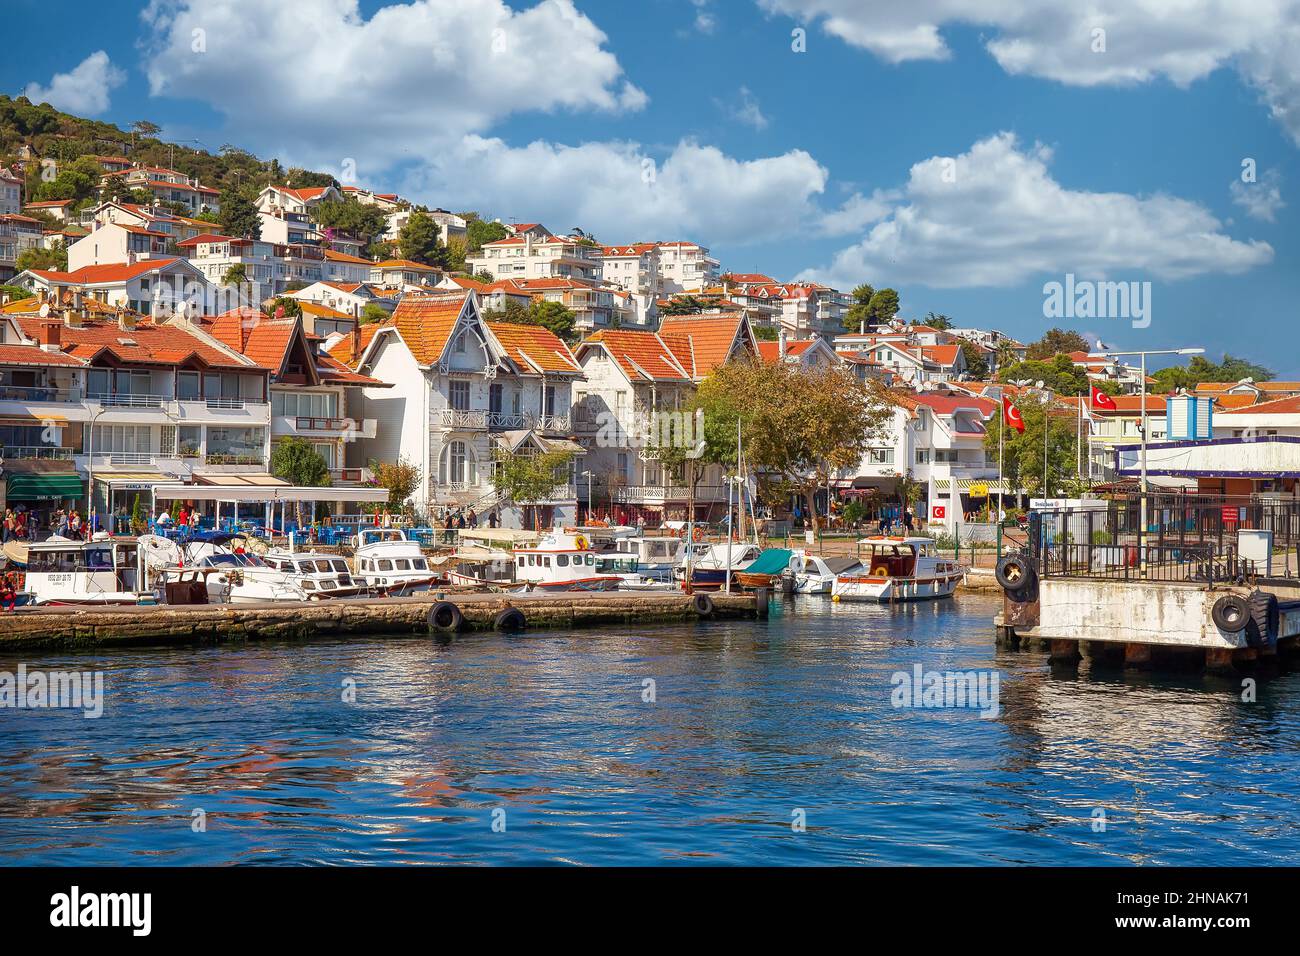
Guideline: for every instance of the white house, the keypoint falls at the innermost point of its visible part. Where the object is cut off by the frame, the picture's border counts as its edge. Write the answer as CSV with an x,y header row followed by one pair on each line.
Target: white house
x,y
464,391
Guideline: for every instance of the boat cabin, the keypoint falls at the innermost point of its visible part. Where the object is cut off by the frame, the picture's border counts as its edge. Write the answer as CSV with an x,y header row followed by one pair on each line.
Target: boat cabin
x,y
894,556
102,570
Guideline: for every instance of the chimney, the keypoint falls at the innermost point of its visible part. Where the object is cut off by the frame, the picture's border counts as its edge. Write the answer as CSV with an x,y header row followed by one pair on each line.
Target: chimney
x,y
780,343
356,340
125,320
51,339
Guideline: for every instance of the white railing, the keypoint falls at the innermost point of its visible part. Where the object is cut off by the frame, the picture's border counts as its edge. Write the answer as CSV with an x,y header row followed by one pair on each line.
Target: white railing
x,y
462,417
128,400
16,452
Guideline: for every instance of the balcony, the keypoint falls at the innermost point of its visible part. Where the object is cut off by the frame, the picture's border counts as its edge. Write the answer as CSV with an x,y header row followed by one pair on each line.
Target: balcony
x,y
127,400
349,429
39,394
462,419
471,419
658,494
36,452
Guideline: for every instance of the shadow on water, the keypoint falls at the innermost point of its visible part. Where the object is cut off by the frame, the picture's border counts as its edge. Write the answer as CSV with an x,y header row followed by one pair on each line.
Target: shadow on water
x,y
691,742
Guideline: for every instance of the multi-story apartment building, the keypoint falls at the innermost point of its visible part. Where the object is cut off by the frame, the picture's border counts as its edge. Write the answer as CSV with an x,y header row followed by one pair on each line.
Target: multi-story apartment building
x,y
55,208
153,218
937,439
17,234
269,267
308,386
122,402
170,186
525,256
146,287
915,365
403,273
686,267
119,242
465,390
11,193
349,297
636,385
634,268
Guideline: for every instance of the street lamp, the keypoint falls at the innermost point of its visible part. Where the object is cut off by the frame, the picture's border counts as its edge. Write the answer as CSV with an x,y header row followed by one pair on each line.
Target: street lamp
x,y
1142,428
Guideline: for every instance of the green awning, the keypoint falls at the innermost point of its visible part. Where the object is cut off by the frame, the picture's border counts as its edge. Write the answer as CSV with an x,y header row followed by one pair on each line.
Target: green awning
x,y
22,487
770,561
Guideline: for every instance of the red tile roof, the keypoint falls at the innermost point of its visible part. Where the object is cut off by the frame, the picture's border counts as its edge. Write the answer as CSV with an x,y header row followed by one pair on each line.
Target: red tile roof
x,y
643,356
108,273
425,323
701,343
146,343
1279,406
533,348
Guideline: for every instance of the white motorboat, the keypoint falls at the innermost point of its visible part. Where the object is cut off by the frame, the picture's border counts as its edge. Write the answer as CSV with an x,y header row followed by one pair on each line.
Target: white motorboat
x,y
656,555
391,562
898,568
816,574
102,571
561,561
631,576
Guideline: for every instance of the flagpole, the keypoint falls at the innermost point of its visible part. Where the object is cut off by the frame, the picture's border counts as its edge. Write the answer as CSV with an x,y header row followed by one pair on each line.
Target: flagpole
x,y
1002,431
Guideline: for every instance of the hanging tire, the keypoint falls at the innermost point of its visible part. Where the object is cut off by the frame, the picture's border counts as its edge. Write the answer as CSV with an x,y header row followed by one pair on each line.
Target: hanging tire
x,y
1230,613
446,618
702,604
1013,573
1265,619
510,621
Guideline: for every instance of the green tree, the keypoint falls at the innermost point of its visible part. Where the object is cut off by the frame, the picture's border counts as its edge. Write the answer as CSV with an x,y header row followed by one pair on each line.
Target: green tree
x,y
239,217
1022,453
938,321
976,366
859,314
799,425
400,477
479,231
884,306
371,313
297,462
287,305
551,315
420,241
1200,369
55,259
235,275
1056,342
1058,373
528,477
356,219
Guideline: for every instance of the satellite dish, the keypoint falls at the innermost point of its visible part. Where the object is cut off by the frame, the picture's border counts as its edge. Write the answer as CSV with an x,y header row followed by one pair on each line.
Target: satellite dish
x,y
180,309
45,310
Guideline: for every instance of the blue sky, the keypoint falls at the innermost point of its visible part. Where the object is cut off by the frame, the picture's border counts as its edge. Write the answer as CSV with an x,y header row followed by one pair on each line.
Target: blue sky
x,y
697,119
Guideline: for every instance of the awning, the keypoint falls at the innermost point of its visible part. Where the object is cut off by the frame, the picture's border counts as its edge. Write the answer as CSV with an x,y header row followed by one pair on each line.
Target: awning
x,y
252,492
25,487
964,485
240,479
133,480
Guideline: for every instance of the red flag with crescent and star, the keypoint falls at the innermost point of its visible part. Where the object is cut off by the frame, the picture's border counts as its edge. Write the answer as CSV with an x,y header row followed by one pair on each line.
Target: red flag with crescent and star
x,y
1011,415
1103,401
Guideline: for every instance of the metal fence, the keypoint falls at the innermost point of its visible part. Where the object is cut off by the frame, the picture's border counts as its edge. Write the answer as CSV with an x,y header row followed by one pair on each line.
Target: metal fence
x,y
1191,538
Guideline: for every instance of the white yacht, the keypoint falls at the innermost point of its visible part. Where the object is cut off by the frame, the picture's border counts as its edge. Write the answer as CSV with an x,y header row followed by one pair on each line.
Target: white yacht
x,y
898,568
709,561
391,562
561,561
656,556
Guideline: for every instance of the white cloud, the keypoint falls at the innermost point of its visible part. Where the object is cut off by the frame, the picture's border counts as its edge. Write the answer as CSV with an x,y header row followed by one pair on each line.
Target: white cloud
x,y
746,110
317,81
705,21
84,90
995,217
1262,198
1180,40
622,194
857,213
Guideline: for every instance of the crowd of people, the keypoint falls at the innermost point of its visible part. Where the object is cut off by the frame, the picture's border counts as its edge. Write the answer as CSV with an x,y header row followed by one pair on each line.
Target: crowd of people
x,y
451,520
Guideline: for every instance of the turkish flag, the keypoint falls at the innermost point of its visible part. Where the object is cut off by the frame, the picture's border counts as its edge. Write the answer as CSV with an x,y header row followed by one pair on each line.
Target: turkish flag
x,y
1011,415
1103,401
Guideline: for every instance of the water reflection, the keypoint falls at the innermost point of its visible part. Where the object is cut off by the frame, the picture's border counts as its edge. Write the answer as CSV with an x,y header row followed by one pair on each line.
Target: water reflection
x,y
748,724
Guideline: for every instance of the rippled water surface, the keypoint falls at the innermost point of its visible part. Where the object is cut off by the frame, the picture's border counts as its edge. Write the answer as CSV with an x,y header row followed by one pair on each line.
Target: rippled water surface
x,y
751,723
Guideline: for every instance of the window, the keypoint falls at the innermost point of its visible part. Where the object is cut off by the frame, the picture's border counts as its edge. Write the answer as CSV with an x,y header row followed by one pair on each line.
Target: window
x,y
494,397
923,456
561,560
945,456
458,394
189,385
458,465
548,399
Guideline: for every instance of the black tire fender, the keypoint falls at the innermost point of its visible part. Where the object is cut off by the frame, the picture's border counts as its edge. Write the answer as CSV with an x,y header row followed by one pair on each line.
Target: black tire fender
x,y
510,620
446,618
1013,573
702,604
1265,619
1230,613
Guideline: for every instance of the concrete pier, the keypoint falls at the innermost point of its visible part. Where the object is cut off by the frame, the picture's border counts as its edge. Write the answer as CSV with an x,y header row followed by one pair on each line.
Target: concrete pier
x,y
72,627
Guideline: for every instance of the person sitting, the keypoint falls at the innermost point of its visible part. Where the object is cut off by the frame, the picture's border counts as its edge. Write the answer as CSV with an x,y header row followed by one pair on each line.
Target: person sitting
x,y
163,520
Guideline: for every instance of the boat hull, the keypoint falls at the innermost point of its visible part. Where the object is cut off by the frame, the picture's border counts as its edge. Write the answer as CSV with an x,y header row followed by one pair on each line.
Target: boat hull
x,y
887,589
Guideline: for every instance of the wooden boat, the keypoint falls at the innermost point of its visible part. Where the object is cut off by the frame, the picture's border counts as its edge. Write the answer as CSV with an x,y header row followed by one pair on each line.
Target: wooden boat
x,y
765,570
562,561
898,568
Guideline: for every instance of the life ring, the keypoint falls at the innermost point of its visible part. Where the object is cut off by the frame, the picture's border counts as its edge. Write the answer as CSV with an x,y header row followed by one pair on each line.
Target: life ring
x,y
446,618
702,604
510,620
580,542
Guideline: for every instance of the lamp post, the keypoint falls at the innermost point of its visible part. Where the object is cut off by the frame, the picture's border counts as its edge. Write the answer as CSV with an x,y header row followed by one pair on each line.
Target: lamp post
x,y
1142,427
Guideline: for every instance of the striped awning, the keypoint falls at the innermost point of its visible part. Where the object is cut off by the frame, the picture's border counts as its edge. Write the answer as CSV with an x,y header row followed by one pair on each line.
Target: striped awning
x,y
964,485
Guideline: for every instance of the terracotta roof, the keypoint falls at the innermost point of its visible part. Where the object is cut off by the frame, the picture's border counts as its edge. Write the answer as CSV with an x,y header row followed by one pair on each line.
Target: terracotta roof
x,y
108,273
35,355
306,194
147,343
262,339
324,312
425,323
941,354
334,372
1279,406
643,356
770,350
701,343
534,348
335,256
947,404
402,264
343,351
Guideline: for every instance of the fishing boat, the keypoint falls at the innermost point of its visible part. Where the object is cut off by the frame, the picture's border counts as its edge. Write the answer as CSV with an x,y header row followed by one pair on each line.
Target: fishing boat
x,y
898,568
102,571
391,562
816,574
708,562
484,557
561,561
